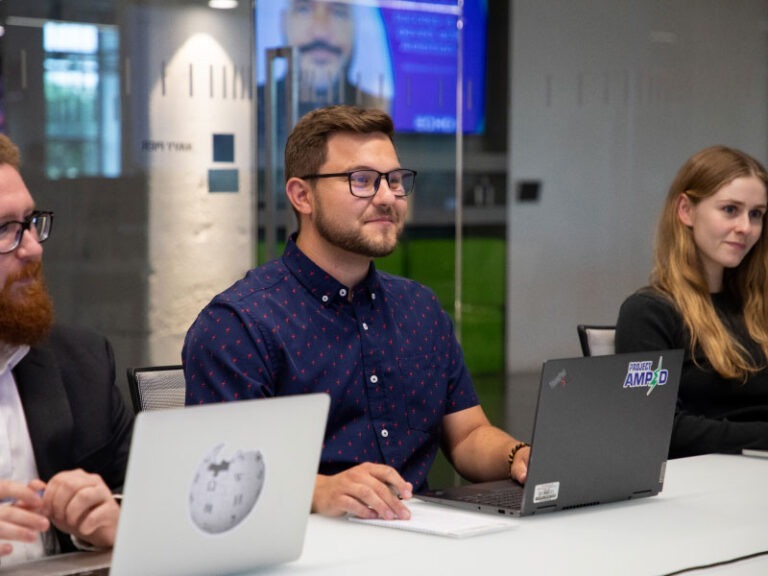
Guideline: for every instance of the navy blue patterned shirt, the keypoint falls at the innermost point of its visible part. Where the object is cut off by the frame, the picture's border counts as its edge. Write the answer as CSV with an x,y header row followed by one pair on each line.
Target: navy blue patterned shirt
x,y
388,358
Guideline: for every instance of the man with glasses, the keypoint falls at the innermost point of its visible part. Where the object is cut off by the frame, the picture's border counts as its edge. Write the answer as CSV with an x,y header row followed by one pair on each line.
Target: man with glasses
x,y
64,429
323,319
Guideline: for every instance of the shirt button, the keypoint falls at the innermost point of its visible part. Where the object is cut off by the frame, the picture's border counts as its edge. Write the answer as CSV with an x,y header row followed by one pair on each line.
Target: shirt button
x,y
365,326
374,378
325,298
373,296
343,292
384,433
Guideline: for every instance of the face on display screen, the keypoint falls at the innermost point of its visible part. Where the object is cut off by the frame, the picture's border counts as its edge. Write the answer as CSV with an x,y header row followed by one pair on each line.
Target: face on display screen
x,y
401,57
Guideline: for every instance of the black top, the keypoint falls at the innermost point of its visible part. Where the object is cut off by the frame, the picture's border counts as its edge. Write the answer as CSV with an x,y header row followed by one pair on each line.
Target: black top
x,y
75,413
713,414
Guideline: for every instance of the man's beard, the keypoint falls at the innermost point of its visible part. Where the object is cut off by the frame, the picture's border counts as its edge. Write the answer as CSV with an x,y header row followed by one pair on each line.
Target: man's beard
x,y
353,241
320,79
26,313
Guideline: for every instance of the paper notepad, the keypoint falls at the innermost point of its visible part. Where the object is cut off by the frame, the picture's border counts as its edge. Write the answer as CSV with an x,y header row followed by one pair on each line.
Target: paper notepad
x,y
755,453
444,521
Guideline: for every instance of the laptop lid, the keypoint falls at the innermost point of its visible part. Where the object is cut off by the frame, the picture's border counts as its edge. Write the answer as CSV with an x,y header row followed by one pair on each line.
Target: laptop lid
x,y
601,433
219,488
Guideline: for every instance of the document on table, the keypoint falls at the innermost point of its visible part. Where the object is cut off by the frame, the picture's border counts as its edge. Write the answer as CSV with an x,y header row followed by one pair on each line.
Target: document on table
x,y
755,453
444,521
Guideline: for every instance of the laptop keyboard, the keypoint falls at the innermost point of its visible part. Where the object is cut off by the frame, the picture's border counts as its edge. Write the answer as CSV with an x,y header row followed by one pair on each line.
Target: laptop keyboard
x,y
511,498
104,571
69,564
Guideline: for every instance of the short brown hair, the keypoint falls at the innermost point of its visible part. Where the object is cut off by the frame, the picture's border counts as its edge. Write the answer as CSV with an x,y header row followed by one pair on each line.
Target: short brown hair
x,y
9,152
306,149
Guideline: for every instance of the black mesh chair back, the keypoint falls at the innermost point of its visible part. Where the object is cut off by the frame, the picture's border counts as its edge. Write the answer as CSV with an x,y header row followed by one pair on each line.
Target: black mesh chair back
x,y
156,387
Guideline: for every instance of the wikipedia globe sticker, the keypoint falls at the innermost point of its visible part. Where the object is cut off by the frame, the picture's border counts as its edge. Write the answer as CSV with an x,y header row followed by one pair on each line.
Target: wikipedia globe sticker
x,y
224,491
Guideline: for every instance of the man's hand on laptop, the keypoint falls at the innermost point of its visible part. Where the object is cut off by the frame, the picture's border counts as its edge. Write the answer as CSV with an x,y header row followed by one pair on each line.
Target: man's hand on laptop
x,y
20,514
81,504
367,491
518,469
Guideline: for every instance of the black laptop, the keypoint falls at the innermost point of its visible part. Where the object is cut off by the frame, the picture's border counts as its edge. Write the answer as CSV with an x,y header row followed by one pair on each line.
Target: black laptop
x,y
601,434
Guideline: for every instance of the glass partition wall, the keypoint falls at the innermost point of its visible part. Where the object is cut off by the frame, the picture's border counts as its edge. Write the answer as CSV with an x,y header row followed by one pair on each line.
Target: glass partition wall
x,y
407,58
136,126
403,57
155,128
141,124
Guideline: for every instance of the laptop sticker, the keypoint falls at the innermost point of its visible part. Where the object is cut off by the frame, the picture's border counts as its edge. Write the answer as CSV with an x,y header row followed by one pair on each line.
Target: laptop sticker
x,y
224,491
560,379
644,375
547,492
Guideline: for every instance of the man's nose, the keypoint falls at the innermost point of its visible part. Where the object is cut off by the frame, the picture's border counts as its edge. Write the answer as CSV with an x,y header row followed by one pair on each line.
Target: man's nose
x,y
384,194
29,246
321,16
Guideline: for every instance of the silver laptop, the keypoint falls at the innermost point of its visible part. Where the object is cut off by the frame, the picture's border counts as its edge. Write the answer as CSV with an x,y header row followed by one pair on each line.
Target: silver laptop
x,y
601,433
212,489
219,488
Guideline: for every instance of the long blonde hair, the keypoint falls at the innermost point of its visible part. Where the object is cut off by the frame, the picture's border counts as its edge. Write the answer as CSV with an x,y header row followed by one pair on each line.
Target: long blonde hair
x,y
679,273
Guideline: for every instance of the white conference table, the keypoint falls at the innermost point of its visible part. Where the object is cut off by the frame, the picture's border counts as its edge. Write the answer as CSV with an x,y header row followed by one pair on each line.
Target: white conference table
x,y
712,508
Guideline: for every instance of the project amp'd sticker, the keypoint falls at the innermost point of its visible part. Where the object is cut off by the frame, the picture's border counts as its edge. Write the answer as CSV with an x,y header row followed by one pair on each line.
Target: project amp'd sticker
x,y
546,492
644,375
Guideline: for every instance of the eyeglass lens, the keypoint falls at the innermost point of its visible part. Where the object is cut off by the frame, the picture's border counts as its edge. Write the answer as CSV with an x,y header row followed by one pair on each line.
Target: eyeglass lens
x,y
366,182
11,232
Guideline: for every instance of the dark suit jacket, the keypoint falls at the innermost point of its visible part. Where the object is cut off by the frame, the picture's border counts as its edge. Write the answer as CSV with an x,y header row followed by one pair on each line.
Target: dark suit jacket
x,y
75,414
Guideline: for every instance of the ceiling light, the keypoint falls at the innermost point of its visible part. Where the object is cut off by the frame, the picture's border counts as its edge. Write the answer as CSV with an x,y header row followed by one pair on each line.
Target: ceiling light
x,y
222,4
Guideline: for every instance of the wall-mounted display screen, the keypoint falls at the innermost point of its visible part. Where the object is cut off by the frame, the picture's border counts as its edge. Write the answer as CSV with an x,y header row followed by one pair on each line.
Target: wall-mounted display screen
x,y
395,55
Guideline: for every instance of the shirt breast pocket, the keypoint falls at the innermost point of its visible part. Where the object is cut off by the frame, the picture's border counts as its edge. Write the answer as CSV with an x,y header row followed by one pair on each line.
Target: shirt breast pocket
x,y
424,387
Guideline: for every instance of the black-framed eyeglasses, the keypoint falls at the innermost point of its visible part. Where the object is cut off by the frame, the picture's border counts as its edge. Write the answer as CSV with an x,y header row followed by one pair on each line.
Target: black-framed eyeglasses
x,y
38,223
365,183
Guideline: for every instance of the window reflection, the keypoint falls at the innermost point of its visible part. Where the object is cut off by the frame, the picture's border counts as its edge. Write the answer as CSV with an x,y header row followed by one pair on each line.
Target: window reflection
x,y
81,85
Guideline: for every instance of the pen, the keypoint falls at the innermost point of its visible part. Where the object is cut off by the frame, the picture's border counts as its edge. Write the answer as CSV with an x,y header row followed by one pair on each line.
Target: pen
x,y
12,500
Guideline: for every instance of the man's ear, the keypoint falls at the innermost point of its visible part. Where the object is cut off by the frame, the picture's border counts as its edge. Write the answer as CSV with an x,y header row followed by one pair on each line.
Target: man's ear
x,y
685,209
300,195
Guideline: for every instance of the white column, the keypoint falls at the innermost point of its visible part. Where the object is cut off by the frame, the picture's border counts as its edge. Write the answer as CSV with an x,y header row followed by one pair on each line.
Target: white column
x,y
187,81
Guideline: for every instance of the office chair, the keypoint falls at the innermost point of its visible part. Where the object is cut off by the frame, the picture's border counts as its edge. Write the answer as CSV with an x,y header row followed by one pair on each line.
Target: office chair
x,y
156,387
596,340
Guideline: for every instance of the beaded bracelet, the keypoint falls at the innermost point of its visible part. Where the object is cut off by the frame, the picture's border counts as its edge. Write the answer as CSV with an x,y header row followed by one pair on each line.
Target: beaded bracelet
x,y
513,452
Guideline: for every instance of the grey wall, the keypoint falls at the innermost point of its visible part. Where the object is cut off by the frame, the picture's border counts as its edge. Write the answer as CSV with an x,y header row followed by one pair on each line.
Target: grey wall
x,y
136,257
608,99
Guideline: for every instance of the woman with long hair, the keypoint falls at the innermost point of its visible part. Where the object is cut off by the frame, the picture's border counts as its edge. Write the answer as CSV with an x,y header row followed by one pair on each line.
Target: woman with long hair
x,y
708,295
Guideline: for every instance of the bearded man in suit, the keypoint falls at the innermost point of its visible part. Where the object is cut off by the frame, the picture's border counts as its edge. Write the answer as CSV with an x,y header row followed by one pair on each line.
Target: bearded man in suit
x,y
64,428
